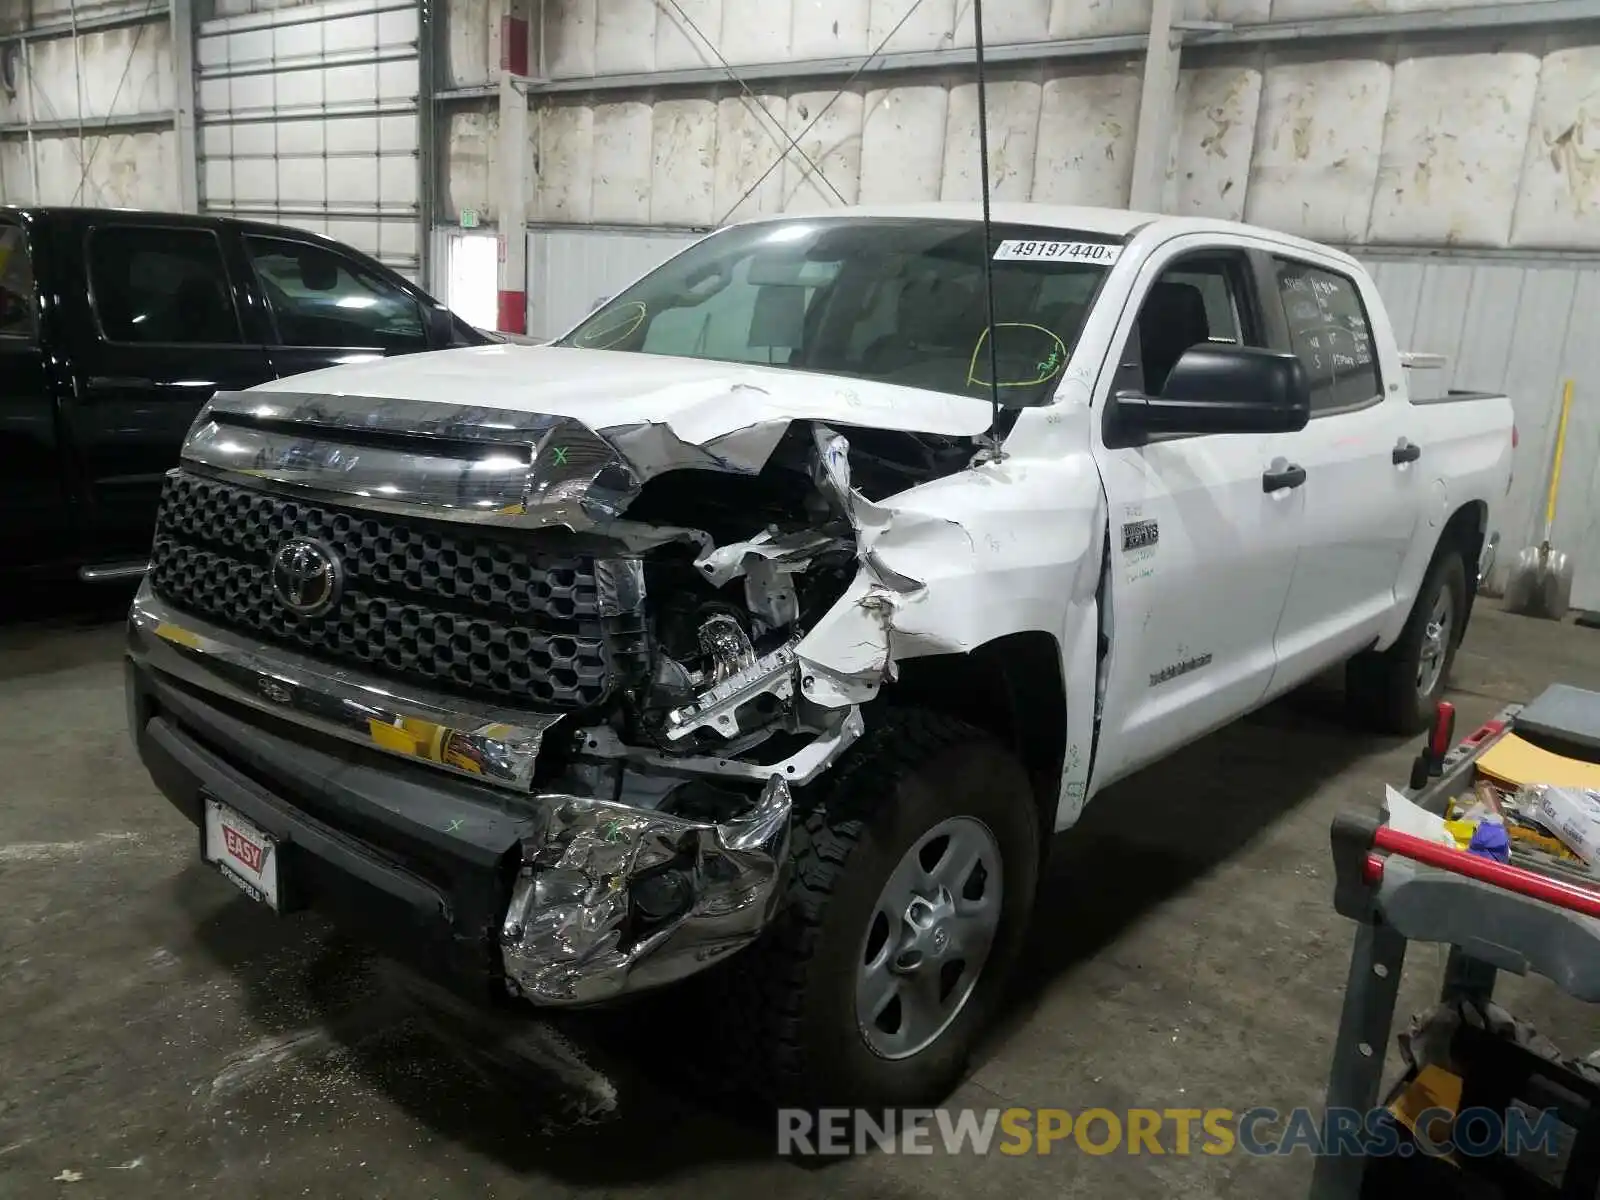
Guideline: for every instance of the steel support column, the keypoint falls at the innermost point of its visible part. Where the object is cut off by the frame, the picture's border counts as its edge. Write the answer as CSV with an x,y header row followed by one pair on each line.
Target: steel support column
x,y
432,51
511,199
185,85
1157,106
31,115
512,202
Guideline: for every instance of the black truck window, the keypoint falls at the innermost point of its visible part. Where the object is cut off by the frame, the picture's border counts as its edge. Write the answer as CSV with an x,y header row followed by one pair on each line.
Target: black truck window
x,y
320,298
18,316
165,287
1330,332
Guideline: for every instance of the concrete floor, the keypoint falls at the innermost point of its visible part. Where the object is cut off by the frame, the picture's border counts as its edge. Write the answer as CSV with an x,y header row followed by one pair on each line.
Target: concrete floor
x,y
159,1034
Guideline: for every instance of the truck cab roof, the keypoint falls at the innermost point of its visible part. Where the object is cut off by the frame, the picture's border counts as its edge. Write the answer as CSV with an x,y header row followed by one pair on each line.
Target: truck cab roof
x,y
66,215
1106,222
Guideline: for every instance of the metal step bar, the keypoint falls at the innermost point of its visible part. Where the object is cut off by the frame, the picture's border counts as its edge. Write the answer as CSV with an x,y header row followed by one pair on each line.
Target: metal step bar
x,y
111,572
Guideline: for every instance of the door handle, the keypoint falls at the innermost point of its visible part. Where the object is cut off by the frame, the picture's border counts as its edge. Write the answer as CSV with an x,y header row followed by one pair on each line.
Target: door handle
x,y
1405,452
1289,477
121,383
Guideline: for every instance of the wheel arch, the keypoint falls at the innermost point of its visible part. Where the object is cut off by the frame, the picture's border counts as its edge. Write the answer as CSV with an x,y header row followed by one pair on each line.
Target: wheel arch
x,y
1465,531
1013,688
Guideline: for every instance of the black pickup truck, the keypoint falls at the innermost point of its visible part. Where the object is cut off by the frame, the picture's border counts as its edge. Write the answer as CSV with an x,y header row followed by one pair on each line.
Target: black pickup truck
x,y
116,326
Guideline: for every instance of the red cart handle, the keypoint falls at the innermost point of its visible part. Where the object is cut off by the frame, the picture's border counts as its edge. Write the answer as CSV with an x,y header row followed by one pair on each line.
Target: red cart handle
x,y
1569,896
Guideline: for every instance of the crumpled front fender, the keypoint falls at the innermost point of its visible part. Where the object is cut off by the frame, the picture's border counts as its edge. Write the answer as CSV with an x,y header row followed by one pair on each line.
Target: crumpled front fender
x,y
1002,548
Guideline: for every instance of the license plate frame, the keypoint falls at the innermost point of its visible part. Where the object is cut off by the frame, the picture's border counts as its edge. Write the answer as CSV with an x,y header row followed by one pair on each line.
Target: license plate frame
x,y
231,842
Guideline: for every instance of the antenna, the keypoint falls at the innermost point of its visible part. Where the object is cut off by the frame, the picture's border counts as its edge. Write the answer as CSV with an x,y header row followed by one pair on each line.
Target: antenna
x,y
988,229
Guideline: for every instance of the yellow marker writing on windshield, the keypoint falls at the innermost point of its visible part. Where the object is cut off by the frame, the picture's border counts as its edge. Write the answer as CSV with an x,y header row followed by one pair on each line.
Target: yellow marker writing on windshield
x,y
1047,370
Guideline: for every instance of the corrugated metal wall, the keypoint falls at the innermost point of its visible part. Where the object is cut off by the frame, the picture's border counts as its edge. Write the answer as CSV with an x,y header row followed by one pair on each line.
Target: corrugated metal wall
x,y
1480,140
1520,326
569,269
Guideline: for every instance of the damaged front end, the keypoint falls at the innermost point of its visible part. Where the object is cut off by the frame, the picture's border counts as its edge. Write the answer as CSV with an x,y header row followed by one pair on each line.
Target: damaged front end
x,y
612,898
610,627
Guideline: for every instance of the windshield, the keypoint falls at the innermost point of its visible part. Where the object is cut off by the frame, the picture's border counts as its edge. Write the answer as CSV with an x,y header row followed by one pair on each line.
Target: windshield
x,y
894,301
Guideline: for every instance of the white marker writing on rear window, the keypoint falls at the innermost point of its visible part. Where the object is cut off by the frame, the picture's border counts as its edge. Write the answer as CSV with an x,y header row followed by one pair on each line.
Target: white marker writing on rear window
x,y
1094,252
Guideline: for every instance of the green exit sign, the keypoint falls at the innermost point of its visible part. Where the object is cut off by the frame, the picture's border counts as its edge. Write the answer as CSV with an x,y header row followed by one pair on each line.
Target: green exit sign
x,y
469,218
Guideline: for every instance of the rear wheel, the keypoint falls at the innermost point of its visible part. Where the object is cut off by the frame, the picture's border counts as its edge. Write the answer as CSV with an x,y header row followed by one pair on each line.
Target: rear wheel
x,y
913,879
1396,691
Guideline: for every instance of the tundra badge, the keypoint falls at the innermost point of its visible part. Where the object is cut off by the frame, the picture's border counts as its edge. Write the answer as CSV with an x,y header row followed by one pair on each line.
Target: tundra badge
x,y
1136,535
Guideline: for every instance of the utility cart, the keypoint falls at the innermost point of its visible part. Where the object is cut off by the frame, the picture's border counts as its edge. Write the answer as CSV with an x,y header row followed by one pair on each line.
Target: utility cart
x,y
1539,913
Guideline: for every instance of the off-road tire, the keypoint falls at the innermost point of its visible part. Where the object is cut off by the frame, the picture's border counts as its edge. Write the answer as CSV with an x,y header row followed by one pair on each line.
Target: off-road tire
x,y
787,1011
1382,689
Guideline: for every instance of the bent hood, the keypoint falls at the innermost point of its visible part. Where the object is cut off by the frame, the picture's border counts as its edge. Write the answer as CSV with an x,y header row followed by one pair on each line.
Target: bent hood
x,y
616,393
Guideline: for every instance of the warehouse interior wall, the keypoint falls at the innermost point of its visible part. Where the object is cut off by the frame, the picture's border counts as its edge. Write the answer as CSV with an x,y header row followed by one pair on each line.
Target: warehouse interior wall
x,y
1407,142
87,117
1460,157
1463,165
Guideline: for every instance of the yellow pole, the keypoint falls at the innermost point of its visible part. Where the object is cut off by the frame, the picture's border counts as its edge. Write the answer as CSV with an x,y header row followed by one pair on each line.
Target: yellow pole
x,y
1555,471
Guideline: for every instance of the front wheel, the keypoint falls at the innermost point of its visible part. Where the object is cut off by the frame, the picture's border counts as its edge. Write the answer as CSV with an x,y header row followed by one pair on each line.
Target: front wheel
x,y
913,879
1397,691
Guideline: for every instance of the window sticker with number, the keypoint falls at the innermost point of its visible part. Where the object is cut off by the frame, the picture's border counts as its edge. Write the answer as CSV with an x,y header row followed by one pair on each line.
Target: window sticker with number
x,y
1030,251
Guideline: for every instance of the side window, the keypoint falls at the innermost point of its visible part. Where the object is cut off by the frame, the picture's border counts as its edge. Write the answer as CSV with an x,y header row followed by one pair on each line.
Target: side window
x,y
18,316
1198,300
1217,293
320,298
1329,333
161,287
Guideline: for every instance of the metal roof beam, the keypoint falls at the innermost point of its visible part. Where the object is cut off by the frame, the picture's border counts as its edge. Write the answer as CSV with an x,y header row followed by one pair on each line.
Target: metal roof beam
x,y
1439,22
87,24
1435,24
94,126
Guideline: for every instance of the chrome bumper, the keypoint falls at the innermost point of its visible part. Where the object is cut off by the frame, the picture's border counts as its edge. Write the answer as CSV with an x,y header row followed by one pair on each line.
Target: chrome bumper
x,y
485,743
594,873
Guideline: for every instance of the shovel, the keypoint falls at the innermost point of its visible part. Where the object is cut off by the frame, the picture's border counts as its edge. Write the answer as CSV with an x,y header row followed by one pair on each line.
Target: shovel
x,y
1541,579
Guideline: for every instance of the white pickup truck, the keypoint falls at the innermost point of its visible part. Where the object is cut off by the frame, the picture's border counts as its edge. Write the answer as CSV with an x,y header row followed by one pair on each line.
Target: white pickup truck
x,y
742,620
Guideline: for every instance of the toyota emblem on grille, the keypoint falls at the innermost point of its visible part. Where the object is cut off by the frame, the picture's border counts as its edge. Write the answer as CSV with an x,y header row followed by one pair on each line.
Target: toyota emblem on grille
x,y
306,577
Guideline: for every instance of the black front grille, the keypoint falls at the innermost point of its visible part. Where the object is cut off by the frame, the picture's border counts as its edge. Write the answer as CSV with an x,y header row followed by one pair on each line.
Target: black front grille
x,y
466,609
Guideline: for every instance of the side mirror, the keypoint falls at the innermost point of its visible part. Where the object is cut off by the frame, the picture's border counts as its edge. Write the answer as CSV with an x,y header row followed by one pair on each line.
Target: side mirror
x,y
1223,389
441,327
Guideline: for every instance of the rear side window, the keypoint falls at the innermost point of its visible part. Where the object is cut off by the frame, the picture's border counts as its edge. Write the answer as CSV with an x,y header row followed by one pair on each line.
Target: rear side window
x,y
162,287
18,316
1330,333
323,299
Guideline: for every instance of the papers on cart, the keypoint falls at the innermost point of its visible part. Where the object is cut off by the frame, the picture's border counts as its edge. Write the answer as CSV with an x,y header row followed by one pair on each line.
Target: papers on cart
x,y
1406,817
1572,814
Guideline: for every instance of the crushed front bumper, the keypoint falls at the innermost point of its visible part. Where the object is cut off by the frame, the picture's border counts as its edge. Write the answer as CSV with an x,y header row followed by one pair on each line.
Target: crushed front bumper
x,y
564,897
592,869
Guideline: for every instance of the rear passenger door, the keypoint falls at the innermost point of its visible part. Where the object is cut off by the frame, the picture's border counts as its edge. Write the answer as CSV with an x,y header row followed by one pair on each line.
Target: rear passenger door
x,y
328,308
166,335
1363,493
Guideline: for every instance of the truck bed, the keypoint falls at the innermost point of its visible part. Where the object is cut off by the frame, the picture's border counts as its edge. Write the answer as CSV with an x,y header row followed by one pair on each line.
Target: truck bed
x,y
1457,396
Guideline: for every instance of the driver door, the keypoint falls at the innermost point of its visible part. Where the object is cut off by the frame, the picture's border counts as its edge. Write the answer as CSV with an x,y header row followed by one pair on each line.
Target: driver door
x,y
327,308
1202,549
